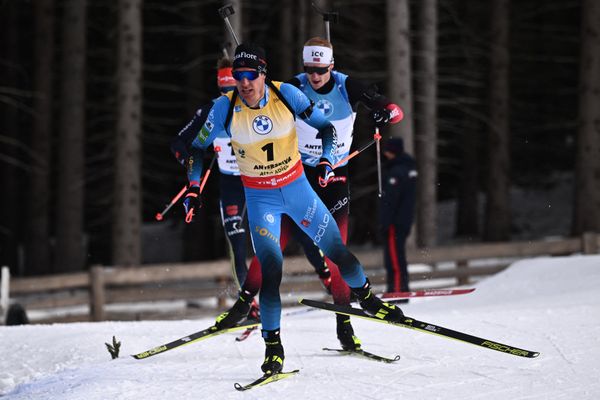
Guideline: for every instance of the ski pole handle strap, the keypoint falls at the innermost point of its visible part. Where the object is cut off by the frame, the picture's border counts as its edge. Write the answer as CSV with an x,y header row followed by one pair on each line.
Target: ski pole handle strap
x,y
191,202
326,173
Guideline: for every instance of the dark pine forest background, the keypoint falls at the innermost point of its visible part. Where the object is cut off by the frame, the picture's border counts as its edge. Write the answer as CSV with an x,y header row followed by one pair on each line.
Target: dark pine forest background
x,y
182,41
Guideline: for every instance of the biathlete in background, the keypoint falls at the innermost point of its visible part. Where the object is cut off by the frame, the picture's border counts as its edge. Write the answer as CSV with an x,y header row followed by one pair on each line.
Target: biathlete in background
x,y
337,96
259,117
231,192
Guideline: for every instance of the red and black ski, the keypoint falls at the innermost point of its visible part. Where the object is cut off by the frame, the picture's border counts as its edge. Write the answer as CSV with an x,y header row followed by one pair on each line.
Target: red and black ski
x,y
425,293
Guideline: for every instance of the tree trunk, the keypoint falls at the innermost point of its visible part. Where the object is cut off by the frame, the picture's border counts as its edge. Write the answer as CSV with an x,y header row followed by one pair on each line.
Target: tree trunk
x,y
399,88
498,216
467,206
194,75
70,252
302,8
426,122
127,207
316,26
467,215
10,139
587,188
38,255
287,42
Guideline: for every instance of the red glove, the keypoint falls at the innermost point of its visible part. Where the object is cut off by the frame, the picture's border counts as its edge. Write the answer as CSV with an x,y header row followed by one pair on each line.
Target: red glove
x,y
388,115
396,114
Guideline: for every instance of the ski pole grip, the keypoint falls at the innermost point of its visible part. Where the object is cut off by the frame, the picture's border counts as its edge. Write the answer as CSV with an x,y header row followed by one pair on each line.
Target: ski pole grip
x,y
226,11
331,17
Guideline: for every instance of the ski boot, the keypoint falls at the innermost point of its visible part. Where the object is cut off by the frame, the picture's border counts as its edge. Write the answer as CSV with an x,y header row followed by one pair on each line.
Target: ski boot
x,y
273,363
345,333
373,305
236,314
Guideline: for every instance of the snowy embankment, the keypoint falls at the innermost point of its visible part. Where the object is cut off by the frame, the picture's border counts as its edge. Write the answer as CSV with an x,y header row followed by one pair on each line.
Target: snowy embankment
x,y
550,305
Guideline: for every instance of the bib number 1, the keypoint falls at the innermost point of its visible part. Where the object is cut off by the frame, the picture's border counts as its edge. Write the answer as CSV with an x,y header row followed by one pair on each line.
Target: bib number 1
x,y
268,148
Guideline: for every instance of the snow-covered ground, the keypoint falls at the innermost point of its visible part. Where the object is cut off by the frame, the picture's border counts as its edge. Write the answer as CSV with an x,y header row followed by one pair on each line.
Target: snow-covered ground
x,y
550,305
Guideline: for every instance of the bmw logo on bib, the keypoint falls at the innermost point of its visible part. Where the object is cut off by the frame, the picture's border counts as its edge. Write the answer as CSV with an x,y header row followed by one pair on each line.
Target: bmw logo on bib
x,y
262,125
325,106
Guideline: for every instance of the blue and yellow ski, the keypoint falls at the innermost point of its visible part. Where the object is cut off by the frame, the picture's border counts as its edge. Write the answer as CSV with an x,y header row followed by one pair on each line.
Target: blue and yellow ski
x,y
265,379
194,337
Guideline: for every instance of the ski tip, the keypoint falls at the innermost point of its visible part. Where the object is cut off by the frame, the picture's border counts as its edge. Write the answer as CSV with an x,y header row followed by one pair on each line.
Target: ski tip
x,y
141,356
305,302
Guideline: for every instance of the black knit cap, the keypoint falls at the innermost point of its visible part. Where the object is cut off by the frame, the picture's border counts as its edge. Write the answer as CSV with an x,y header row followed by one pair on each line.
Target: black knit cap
x,y
249,55
394,145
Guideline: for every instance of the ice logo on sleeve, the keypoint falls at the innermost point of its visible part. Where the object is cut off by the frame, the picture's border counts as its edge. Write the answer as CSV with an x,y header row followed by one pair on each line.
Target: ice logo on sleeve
x,y
262,125
325,106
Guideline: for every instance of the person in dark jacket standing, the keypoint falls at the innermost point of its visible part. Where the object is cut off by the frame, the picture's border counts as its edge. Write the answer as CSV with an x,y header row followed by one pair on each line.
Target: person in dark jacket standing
x,y
397,211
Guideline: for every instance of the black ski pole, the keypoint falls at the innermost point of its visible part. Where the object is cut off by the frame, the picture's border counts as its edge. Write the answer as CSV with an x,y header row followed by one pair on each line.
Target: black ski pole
x,y
225,12
377,138
327,18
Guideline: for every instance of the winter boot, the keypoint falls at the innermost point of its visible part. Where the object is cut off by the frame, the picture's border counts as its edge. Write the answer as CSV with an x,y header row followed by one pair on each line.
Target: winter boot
x,y
345,333
273,363
373,305
236,314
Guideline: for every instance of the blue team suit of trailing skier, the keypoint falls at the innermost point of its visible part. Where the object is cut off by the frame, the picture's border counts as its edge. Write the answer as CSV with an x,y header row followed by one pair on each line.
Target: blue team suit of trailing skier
x,y
231,191
263,137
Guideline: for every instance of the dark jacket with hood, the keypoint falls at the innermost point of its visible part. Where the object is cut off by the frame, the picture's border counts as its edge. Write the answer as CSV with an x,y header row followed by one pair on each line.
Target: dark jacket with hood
x,y
399,189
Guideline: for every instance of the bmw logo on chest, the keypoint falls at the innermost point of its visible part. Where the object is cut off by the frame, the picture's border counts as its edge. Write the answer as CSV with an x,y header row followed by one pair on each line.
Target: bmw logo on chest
x,y
325,106
262,125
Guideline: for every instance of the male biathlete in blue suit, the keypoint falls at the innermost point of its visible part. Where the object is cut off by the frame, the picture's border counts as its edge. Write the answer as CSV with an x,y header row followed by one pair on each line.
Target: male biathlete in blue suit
x,y
257,117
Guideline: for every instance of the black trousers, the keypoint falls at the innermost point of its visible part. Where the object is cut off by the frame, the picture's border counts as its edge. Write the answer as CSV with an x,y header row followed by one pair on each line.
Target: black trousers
x,y
395,260
233,201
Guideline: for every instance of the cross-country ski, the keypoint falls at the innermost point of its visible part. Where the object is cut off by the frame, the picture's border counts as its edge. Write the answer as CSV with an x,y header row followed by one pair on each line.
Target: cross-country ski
x,y
411,323
364,354
204,334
